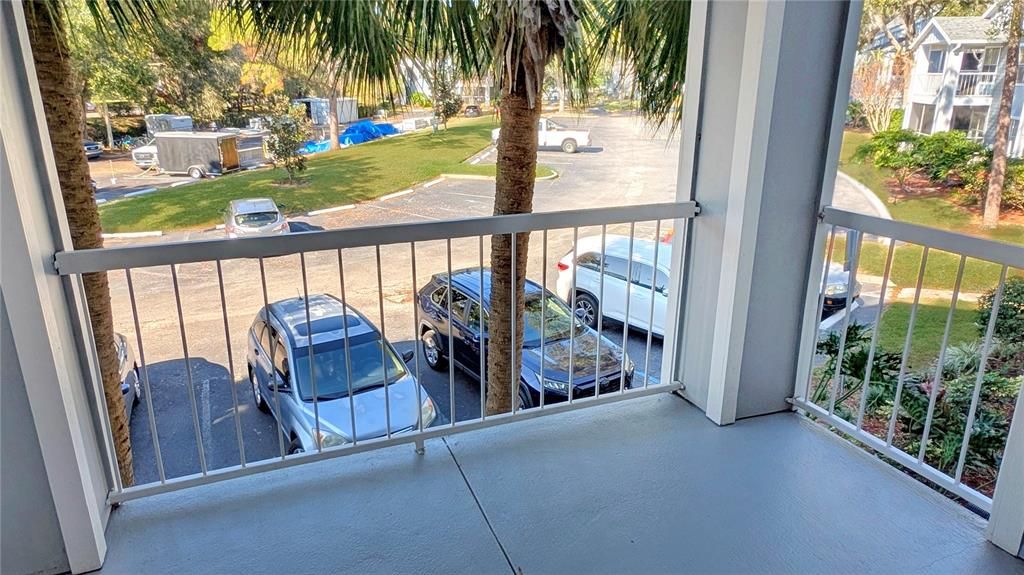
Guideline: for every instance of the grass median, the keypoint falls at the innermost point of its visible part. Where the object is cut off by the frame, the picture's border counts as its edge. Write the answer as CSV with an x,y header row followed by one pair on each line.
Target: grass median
x,y
347,176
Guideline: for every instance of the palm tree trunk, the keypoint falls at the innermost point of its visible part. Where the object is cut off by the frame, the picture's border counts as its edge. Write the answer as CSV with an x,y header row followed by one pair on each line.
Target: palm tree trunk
x,y
63,107
1001,146
516,171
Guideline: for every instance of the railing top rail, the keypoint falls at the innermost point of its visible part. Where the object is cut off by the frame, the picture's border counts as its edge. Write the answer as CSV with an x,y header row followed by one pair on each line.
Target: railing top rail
x,y
126,257
989,250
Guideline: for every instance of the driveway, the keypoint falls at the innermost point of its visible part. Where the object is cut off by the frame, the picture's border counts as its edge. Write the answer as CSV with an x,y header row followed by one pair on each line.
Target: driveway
x,y
626,165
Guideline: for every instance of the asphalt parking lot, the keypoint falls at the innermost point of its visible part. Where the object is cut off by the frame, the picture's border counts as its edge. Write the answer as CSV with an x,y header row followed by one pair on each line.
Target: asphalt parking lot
x,y
625,165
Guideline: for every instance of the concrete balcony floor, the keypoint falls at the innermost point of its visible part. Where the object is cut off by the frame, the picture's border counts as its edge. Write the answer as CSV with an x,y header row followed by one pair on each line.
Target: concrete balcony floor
x,y
647,486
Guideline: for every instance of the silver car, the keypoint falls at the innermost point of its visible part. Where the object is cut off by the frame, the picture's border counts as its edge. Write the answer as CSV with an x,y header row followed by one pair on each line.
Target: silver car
x,y
129,370
283,377
254,217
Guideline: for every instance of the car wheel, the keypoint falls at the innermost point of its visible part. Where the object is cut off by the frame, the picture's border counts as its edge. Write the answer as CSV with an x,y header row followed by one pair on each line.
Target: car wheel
x,y
295,447
586,309
569,146
432,352
137,385
257,396
525,400
195,173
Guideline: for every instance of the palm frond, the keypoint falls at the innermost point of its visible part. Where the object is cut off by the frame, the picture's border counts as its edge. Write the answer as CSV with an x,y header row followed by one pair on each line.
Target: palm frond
x,y
650,39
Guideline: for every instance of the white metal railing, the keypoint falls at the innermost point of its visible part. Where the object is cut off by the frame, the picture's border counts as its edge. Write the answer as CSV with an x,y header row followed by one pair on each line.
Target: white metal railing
x,y
841,390
205,296
975,83
926,84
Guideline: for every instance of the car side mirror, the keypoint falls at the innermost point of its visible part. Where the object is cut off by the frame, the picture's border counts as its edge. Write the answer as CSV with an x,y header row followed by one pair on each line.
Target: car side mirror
x,y
408,355
281,385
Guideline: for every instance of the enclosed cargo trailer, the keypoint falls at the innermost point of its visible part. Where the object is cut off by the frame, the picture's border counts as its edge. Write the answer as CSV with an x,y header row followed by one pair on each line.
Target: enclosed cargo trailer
x,y
197,154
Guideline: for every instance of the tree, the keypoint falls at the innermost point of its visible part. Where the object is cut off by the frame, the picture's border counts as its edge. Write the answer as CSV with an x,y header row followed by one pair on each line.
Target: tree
x,y
877,90
47,25
1011,24
288,132
447,101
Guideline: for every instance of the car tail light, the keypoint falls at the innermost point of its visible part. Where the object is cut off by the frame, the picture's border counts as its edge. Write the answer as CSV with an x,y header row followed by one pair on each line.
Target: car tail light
x,y
563,266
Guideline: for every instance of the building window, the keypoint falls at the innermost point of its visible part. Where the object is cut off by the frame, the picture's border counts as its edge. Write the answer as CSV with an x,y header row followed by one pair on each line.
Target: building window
x,y
991,59
921,118
936,61
1020,66
970,119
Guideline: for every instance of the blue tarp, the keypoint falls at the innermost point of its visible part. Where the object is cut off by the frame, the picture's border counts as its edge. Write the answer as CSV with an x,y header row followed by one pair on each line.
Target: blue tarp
x,y
362,131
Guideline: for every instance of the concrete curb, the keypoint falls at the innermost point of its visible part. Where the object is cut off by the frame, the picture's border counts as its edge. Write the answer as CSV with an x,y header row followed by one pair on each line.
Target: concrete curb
x,y
140,192
871,197
553,175
132,235
331,210
394,195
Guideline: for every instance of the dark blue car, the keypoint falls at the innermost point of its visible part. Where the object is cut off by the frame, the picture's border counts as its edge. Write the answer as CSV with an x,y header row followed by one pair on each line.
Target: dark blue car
x,y
464,321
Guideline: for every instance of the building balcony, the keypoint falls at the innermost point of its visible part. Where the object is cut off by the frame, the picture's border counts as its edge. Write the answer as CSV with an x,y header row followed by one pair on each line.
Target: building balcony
x,y
646,486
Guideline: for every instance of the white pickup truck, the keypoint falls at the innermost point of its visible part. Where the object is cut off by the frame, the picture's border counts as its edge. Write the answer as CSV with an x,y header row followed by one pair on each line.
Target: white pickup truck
x,y
552,135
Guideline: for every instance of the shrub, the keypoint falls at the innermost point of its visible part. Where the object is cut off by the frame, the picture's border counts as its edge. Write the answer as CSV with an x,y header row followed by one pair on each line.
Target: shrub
x,y
855,114
893,149
896,123
420,100
1009,326
943,154
288,132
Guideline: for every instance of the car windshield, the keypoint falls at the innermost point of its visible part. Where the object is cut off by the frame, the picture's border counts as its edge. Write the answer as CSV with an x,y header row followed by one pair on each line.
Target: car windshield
x,y
558,320
331,373
256,219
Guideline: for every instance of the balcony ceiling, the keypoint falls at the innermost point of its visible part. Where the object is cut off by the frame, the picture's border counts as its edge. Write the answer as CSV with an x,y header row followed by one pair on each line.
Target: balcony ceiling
x,y
643,487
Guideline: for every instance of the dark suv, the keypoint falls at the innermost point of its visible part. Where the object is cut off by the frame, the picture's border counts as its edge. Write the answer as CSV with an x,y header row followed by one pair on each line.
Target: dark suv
x,y
465,322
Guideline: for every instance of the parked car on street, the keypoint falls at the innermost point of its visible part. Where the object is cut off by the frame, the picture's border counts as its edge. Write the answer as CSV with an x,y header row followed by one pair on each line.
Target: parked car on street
x,y
131,389
641,274
349,356
552,135
550,348
836,287
145,156
616,269
471,111
254,217
93,150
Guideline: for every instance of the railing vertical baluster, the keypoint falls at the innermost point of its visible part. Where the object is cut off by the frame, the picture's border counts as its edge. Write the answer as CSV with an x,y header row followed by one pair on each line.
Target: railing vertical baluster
x,y
188,372
572,315
273,360
933,395
483,338
543,312
851,281
145,379
821,305
866,386
512,308
347,346
906,350
979,379
629,296
415,340
451,336
654,292
312,360
231,366
600,318
383,345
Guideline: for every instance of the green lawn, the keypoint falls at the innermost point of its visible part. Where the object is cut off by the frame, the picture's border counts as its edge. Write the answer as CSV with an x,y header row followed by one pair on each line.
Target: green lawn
x,y
940,271
934,212
345,176
929,326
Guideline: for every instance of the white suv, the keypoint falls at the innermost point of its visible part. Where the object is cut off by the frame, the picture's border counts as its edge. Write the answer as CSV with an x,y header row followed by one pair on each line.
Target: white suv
x,y
616,266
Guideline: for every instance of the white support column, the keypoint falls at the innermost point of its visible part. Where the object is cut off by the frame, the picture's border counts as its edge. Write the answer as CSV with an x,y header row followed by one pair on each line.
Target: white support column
x,y
42,322
1006,522
769,77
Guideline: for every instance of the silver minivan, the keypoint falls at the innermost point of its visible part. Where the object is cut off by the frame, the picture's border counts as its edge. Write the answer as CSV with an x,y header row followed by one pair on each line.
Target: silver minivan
x,y
254,217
